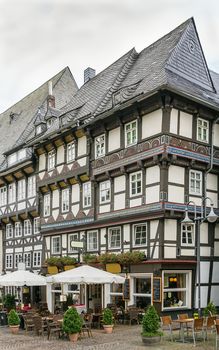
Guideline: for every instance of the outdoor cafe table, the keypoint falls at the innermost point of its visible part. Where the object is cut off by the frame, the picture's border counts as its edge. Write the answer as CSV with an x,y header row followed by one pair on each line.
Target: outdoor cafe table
x,y
182,323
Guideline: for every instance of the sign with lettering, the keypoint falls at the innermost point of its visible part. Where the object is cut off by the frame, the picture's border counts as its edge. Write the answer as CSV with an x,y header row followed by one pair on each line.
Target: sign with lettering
x,y
157,289
126,289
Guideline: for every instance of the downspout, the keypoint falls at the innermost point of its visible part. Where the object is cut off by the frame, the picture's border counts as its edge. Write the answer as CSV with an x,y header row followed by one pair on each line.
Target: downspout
x,y
211,157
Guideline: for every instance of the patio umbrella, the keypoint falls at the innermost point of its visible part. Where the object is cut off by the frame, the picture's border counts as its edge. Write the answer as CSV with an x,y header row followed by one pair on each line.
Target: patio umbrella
x,y
85,275
20,278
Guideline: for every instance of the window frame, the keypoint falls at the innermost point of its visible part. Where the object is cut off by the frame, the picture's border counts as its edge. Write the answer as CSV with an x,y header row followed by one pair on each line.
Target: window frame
x,y
27,227
3,196
51,160
36,224
186,232
202,127
70,249
46,205
27,259
191,190
92,246
103,198
70,151
31,186
110,229
18,257
87,194
102,143
134,234
53,238
21,190
65,200
20,229
37,258
134,139
8,259
136,194
9,231
12,193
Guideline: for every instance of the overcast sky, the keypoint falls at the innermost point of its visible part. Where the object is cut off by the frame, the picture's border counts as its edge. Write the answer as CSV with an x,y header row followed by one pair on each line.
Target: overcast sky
x,y
38,38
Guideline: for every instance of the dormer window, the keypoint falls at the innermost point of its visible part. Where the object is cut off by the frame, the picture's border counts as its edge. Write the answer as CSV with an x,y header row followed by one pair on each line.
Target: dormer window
x,y
17,157
39,129
49,122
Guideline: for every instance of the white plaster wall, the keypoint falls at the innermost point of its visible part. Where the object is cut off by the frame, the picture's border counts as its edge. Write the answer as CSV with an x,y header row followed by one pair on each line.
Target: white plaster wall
x,y
204,296
215,274
174,121
59,168
114,139
170,251
21,205
152,175
216,135
119,183
204,268
152,194
47,243
75,193
176,174
82,161
55,199
205,251
55,213
135,202
75,209
197,200
204,233
64,241
102,236
126,232
170,229
19,250
104,208
156,251
216,234
175,194
185,126
28,249
153,228
42,162
216,248
60,154
151,123
212,182
187,252
82,146
119,201
213,197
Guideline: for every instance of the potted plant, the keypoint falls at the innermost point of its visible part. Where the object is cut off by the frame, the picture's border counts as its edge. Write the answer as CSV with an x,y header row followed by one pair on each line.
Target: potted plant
x,y
210,309
9,302
72,324
13,321
108,321
150,327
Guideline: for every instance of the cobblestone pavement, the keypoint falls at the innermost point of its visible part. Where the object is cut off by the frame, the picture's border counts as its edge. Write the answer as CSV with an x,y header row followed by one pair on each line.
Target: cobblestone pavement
x,y
123,338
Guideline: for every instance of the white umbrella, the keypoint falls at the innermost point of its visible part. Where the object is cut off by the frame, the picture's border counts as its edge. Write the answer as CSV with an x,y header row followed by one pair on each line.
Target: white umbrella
x,y
85,275
20,278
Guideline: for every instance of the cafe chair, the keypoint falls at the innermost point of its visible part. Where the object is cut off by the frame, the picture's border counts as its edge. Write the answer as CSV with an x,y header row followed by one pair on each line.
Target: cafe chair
x,y
209,325
53,328
133,315
87,323
188,325
28,323
39,325
167,324
217,333
198,328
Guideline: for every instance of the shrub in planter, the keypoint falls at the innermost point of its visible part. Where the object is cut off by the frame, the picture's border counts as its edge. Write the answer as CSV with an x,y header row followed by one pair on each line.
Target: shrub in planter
x,y
130,257
108,320
9,302
210,309
90,258
72,324
13,321
150,326
60,262
108,258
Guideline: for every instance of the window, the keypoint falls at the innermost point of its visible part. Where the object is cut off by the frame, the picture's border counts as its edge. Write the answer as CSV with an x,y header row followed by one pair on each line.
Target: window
x,y
9,231
70,152
142,290
36,259
92,240
187,234
72,237
27,259
131,133
39,129
22,154
56,245
18,258
18,229
9,261
116,294
50,122
12,159
65,200
99,146
36,225
140,235
3,196
195,182
136,184
46,205
105,192
86,194
27,228
51,160
21,189
12,193
31,186
202,130
176,289
114,237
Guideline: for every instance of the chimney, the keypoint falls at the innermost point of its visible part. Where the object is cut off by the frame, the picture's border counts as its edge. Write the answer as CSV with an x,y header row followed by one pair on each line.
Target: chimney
x,y
89,73
50,97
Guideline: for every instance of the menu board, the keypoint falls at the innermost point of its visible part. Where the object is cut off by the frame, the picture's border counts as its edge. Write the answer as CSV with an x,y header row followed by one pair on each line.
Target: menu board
x,y
157,289
126,289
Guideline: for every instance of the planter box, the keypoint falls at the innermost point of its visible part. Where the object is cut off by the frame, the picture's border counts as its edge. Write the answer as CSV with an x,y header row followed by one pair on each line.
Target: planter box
x,y
69,267
113,268
150,341
52,270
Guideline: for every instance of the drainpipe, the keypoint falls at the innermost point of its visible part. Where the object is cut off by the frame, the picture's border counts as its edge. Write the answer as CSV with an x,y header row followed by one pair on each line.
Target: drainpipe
x,y
211,158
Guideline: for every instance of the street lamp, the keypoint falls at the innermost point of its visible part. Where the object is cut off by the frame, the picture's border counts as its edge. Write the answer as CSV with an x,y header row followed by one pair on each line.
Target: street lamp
x,y
211,217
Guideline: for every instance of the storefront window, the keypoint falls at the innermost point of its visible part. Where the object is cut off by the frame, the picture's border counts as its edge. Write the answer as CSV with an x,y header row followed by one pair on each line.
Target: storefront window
x,y
177,289
142,291
116,295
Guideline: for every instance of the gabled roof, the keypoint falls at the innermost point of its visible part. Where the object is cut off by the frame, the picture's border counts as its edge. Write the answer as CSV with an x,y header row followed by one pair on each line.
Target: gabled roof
x,y
16,123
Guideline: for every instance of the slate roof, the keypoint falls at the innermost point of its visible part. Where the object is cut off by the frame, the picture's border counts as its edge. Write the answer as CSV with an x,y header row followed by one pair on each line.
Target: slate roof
x,y
16,123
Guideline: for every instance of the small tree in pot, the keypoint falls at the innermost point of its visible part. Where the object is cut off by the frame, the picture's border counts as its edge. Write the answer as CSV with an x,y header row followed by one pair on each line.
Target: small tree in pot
x,y
108,320
13,321
150,326
72,324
